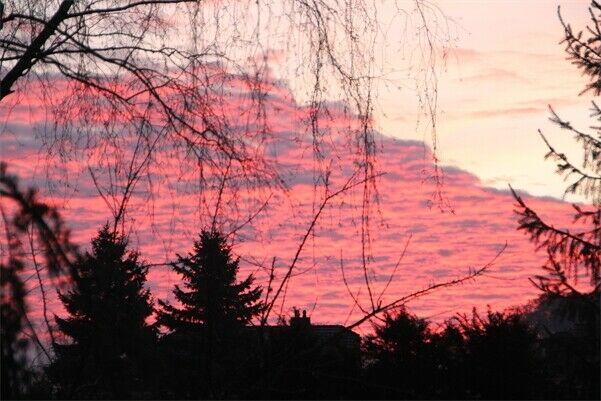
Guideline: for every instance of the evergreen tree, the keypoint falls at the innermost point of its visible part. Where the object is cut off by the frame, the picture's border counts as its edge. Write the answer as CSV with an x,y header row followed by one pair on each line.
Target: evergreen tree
x,y
212,298
575,253
214,309
108,305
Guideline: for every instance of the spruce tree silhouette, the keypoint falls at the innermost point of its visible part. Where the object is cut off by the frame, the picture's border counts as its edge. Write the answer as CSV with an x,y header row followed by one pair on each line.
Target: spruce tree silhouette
x,y
111,350
214,310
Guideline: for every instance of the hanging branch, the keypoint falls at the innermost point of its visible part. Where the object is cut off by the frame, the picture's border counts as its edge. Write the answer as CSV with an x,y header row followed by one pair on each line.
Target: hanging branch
x,y
350,183
399,302
58,250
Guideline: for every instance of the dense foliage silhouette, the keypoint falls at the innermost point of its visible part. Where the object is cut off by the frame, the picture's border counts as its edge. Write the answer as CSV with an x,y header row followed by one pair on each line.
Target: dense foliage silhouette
x,y
491,357
110,345
398,355
209,348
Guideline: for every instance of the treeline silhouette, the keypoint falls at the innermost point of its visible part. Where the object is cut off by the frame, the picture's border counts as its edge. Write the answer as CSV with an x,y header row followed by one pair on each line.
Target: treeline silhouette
x,y
114,341
109,346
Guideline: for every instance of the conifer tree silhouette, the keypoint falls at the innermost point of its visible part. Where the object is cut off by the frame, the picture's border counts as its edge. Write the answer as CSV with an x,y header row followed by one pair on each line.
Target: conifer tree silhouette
x,y
574,253
107,305
214,309
212,298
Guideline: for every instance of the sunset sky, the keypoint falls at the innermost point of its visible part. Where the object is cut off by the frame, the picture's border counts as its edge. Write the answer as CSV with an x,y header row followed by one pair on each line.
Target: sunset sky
x,y
502,66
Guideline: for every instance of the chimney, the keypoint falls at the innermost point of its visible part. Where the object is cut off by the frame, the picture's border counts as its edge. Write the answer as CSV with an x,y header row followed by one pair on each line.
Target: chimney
x,y
298,322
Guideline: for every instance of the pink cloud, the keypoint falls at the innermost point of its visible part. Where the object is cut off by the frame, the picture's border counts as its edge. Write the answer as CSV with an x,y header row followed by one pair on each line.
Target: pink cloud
x,y
443,246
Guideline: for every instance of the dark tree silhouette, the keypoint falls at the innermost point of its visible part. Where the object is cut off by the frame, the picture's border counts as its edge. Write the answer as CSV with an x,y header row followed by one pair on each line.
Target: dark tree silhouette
x,y
111,345
214,300
569,330
24,214
584,48
13,344
495,357
502,358
573,252
214,309
449,379
398,355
